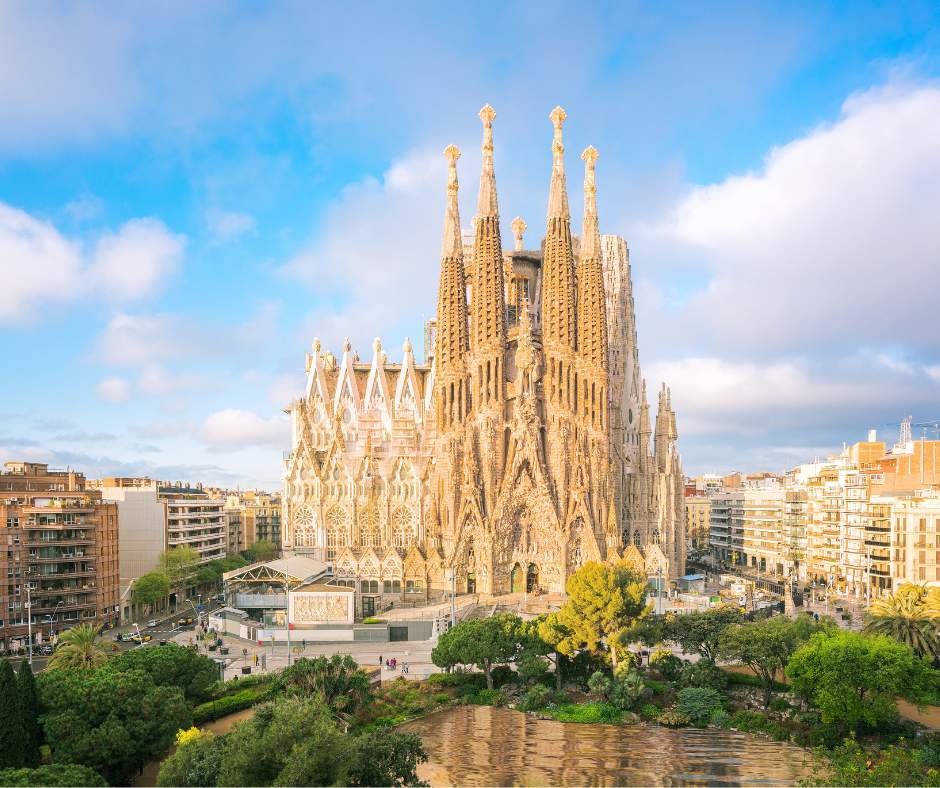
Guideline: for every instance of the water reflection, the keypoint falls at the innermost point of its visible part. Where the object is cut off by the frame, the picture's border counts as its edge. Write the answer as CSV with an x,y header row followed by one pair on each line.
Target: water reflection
x,y
481,745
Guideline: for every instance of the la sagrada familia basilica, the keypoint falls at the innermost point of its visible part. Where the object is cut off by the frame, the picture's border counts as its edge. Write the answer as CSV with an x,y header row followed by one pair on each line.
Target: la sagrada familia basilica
x,y
521,448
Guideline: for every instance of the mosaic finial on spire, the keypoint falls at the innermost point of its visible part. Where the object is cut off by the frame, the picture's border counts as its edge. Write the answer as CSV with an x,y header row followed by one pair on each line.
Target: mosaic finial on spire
x,y
558,117
452,153
487,115
590,188
518,227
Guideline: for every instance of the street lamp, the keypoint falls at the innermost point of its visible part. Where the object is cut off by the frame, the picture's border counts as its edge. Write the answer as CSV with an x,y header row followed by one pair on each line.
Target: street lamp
x,y
29,622
449,575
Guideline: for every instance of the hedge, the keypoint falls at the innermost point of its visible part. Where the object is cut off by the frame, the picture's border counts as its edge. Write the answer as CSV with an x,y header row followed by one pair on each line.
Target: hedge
x,y
219,708
458,679
747,680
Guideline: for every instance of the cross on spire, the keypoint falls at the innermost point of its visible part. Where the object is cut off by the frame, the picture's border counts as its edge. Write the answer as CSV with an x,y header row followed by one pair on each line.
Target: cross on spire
x,y
452,153
590,189
487,115
518,227
558,117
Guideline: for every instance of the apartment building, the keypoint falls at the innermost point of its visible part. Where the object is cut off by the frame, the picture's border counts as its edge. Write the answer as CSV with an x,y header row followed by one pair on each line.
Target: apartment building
x,y
143,523
62,560
726,527
260,515
195,520
697,522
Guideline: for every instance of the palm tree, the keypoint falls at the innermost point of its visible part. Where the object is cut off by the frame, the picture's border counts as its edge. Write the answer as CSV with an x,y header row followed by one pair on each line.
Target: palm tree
x,y
77,649
911,615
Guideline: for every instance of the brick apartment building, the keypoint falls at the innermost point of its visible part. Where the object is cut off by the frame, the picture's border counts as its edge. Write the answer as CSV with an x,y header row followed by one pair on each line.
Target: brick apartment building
x,y
61,560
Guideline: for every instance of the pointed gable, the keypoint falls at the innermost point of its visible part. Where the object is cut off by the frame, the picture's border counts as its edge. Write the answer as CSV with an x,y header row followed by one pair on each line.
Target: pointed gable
x,y
408,388
377,393
347,392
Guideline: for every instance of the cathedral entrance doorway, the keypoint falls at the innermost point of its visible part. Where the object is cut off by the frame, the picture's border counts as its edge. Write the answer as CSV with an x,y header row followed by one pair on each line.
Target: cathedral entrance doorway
x,y
471,583
517,579
532,579
368,606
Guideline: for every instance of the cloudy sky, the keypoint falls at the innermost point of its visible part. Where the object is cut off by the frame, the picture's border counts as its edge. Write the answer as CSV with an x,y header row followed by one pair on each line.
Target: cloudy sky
x,y
190,193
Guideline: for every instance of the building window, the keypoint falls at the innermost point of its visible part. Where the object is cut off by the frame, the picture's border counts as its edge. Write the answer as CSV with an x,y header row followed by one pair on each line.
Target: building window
x,y
392,587
403,522
370,586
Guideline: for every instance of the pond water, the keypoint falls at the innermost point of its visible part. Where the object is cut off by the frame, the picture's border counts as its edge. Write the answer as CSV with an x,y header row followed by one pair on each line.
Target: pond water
x,y
481,745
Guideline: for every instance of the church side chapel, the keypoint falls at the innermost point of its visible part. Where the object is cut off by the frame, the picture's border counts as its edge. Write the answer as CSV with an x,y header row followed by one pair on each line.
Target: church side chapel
x,y
523,446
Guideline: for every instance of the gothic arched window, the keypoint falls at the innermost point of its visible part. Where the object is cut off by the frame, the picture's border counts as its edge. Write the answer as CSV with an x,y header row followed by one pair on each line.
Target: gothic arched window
x,y
337,531
403,525
370,532
636,538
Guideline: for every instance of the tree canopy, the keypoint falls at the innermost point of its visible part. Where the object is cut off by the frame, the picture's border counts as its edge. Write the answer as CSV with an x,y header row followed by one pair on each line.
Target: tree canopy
x,y
215,569
261,548
179,564
108,720
602,601
170,666
196,762
77,649
337,680
29,714
911,615
701,631
12,735
54,774
151,587
853,678
483,642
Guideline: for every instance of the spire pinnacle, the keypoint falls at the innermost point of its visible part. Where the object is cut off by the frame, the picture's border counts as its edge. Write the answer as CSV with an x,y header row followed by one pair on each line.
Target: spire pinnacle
x,y
487,204
558,199
590,233
518,227
452,245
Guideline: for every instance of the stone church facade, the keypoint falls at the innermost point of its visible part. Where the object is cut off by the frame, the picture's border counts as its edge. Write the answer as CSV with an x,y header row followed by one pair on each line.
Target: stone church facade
x,y
521,449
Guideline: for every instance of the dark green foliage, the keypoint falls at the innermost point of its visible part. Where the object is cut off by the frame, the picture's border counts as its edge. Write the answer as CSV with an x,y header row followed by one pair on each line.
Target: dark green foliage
x,y
668,664
589,713
56,774
29,714
491,697
778,733
779,704
458,679
747,680
560,697
483,642
700,631
196,762
928,754
850,764
110,721
699,702
627,689
151,587
651,711
214,570
503,674
12,735
810,718
388,758
337,680
227,705
536,698
171,666
600,684
825,735
720,719
705,673
657,687
261,549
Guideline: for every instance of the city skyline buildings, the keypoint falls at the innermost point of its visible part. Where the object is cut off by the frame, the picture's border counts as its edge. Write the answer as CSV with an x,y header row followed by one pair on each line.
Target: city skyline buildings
x,y
161,232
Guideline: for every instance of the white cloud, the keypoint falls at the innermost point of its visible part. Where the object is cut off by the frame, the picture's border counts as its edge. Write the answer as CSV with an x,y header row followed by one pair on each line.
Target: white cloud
x,y
113,389
835,238
141,340
378,259
167,429
285,388
40,267
136,262
228,226
231,430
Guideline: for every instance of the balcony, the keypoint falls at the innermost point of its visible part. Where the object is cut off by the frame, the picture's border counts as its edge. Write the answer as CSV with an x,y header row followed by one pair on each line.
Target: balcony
x,y
881,545
881,572
878,529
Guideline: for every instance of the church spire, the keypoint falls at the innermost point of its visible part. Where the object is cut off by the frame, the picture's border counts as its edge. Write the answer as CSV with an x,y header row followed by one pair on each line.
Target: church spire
x,y
592,299
488,310
558,310
452,334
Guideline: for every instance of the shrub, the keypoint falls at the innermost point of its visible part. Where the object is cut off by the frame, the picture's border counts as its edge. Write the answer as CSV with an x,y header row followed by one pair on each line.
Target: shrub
x,y
705,673
779,733
477,680
490,697
600,683
589,713
699,702
810,718
371,621
560,698
442,698
825,735
747,680
673,719
657,687
929,754
219,708
52,774
749,721
668,664
536,698
779,704
502,674
651,711
720,719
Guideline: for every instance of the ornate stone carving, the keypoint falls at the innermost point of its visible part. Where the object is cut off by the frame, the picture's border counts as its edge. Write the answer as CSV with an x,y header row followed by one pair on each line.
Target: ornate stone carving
x,y
320,607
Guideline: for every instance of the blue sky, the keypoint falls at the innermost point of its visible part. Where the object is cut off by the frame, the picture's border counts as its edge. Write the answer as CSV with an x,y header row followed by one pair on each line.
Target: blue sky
x,y
190,193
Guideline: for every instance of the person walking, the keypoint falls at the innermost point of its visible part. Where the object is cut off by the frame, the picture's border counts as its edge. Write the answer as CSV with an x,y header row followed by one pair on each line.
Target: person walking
x,y
407,668
380,660
303,644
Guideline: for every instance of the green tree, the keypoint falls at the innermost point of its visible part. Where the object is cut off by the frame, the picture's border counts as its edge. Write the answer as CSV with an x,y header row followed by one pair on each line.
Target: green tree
x,y
337,680
483,642
853,678
540,638
261,548
180,565
766,646
910,616
293,742
196,762
113,722
151,587
387,758
171,666
700,631
55,774
12,735
77,649
602,601
29,714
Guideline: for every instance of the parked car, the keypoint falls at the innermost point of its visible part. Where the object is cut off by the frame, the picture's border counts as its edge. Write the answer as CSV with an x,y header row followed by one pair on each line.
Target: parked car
x,y
151,624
